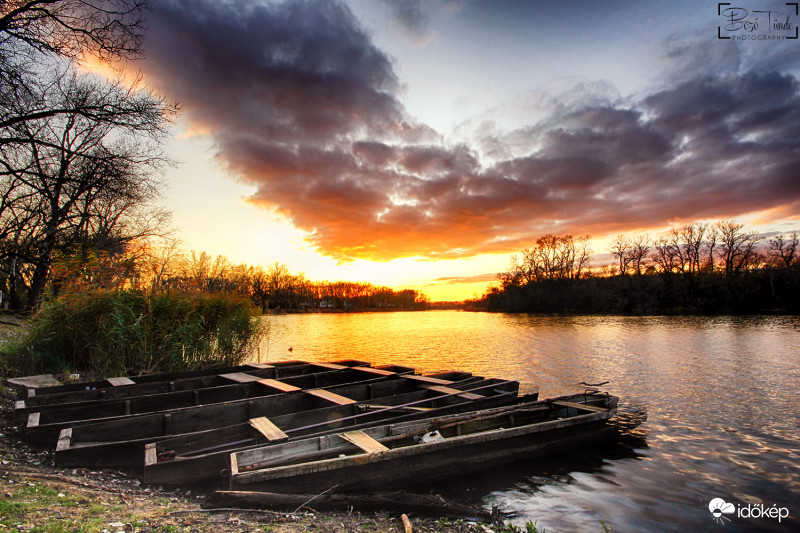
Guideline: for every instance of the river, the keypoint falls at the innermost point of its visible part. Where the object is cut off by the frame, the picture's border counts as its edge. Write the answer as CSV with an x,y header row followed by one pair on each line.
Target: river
x,y
721,395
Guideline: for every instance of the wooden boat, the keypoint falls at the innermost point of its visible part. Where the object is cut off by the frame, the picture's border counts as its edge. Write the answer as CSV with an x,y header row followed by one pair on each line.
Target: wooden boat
x,y
401,453
43,427
123,387
229,387
200,457
121,442
45,387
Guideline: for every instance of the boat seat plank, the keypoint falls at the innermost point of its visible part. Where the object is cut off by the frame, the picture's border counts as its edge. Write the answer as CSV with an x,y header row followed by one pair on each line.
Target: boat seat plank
x,y
428,379
240,377
280,385
32,382
330,396
449,390
364,441
331,366
64,439
373,406
117,382
260,366
264,425
581,406
376,371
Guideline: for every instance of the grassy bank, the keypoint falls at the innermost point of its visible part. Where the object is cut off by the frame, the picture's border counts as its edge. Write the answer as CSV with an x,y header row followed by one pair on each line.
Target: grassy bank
x,y
119,332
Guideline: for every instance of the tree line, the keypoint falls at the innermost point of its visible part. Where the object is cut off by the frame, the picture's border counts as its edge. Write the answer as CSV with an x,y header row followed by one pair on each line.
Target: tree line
x,y
695,268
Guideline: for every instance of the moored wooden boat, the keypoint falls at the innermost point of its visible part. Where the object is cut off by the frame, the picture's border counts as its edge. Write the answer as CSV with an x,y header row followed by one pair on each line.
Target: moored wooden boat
x,y
200,457
43,427
226,387
124,388
122,442
406,452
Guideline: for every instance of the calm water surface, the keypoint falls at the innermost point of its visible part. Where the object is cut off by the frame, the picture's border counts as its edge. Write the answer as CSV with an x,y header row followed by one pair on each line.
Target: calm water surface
x,y
721,395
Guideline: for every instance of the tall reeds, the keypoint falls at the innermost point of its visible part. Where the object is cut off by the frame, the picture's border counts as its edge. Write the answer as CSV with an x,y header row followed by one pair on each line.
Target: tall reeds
x,y
119,332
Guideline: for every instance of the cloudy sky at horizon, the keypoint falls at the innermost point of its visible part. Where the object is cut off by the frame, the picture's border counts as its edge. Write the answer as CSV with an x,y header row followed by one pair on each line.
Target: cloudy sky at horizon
x,y
420,143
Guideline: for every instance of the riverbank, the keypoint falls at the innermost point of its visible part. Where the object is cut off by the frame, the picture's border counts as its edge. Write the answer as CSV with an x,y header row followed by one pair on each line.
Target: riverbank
x,y
37,497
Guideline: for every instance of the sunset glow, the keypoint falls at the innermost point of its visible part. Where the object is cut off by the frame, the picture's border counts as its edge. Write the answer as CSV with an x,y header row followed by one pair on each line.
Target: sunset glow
x,y
418,145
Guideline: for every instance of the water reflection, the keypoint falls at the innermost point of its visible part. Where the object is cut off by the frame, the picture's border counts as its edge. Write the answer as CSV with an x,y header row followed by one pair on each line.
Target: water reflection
x,y
723,417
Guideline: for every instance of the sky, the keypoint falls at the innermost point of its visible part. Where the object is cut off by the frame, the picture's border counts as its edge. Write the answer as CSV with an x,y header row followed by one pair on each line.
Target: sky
x,y
418,144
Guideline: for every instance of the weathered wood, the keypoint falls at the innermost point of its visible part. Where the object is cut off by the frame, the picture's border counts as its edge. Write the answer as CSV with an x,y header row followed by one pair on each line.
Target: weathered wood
x,y
330,366
264,426
364,441
332,397
279,385
428,379
449,390
33,421
150,454
64,439
378,371
406,523
118,382
375,406
579,406
259,366
400,501
240,377
466,445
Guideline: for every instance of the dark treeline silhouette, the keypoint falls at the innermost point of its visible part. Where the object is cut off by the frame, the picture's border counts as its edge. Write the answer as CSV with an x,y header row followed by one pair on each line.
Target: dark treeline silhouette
x,y
697,268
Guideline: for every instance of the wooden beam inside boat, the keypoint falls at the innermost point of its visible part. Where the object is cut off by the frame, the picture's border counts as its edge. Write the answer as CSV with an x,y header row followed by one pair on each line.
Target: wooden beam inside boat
x,y
428,379
279,385
364,441
240,377
377,371
331,366
263,425
332,397
580,406
449,390
118,382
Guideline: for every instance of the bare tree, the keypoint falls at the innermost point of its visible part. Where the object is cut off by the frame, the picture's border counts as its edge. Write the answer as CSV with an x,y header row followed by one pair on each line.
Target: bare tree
x,y
736,247
78,177
784,250
621,250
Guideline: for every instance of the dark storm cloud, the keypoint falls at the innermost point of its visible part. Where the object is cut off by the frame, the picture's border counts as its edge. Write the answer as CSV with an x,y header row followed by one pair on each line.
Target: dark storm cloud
x,y
302,105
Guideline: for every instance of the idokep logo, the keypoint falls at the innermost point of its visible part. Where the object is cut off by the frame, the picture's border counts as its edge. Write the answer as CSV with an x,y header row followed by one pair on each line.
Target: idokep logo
x,y
719,508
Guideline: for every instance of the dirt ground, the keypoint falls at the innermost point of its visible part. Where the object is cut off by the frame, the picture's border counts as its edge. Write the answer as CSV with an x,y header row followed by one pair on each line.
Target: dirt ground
x,y
36,496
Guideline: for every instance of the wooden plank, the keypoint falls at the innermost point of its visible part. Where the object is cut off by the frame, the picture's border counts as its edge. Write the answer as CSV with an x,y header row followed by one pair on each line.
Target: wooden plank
x,y
428,379
449,390
150,454
64,439
240,377
260,366
331,366
33,420
373,406
364,441
280,385
32,382
263,425
330,396
376,371
20,404
581,406
117,382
